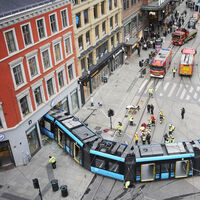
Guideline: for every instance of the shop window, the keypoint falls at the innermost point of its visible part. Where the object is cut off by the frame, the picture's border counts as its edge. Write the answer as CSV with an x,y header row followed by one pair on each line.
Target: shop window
x,y
86,16
127,4
103,7
111,23
104,28
78,20
41,28
97,32
124,4
80,43
88,38
27,36
11,41
116,20
53,23
33,141
133,23
95,11
74,100
64,16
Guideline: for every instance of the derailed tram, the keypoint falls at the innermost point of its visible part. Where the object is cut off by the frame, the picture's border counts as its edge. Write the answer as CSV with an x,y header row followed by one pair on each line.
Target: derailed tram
x,y
120,161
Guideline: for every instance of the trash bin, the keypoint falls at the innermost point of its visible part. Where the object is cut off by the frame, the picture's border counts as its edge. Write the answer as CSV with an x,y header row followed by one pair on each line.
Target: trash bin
x,y
54,184
144,71
64,191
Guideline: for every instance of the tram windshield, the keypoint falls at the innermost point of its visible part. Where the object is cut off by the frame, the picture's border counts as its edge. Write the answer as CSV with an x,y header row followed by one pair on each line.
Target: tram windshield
x,y
177,36
156,68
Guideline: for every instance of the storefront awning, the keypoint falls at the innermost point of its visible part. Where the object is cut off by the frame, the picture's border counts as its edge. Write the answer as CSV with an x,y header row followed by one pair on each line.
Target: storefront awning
x,y
154,6
131,42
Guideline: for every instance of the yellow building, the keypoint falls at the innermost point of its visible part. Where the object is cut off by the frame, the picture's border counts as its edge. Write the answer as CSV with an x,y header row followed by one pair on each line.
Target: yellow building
x,y
98,41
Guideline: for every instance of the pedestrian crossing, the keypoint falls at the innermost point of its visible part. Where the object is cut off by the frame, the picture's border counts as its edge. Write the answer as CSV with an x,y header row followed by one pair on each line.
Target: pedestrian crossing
x,y
167,89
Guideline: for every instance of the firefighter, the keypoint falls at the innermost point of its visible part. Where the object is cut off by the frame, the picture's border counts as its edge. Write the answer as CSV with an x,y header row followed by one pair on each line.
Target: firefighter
x,y
148,138
52,160
150,92
171,139
136,138
161,116
119,128
153,120
171,129
127,184
143,137
174,72
131,120
149,123
166,140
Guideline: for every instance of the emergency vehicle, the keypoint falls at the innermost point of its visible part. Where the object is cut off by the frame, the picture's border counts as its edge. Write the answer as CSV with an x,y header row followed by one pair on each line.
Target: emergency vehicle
x,y
160,63
187,61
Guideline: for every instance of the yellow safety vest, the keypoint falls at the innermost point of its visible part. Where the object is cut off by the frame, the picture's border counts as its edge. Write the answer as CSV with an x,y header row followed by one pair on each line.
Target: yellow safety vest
x,y
119,127
131,118
52,160
174,70
127,184
136,137
150,91
172,129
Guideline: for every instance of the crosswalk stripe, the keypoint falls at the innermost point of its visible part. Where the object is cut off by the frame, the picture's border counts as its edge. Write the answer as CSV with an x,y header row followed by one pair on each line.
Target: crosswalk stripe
x,y
179,90
195,95
188,97
198,88
161,94
158,85
142,86
149,86
166,85
183,93
172,90
191,89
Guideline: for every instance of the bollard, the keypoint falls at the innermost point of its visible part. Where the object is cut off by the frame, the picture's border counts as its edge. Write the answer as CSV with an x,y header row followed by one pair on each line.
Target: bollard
x,y
54,184
64,191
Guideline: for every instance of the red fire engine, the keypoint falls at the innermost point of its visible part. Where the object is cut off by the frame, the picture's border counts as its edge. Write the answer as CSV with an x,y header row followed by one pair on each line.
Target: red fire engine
x,y
161,62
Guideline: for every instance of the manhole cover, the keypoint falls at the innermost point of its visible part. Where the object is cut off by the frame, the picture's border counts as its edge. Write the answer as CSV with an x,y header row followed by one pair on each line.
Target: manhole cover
x,y
97,128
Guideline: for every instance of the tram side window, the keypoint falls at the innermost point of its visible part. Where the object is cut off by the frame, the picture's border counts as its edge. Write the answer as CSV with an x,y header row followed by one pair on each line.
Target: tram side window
x,y
99,163
165,167
157,169
47,125
172,168
113,166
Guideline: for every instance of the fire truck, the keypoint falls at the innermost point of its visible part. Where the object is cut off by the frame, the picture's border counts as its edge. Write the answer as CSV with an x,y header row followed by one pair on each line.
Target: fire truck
x,y
182,35
187,62
160,63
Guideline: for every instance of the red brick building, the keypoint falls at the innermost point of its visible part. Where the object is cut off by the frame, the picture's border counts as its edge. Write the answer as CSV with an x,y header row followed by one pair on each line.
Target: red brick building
x,y
38,70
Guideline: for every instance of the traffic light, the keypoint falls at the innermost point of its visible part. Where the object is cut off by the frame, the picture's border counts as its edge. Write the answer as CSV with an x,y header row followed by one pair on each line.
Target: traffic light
x,y
85,84
35,183
110,113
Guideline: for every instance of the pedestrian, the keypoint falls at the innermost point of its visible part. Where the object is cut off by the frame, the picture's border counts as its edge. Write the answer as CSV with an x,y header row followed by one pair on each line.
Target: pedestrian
x,y
52,161
149,123
153,120
171,129
136,138
150,92
119,128
161,116
152,109
174,72
138,49
148,138
148,108
143,138
131,120
182,113
141,63
185,13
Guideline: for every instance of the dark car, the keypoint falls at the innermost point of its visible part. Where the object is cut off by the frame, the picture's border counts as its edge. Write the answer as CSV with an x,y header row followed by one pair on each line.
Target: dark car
x,y
192,23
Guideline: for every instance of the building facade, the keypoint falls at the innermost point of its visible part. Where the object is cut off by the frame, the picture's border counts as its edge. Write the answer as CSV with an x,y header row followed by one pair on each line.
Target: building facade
x,y
38,71
98,40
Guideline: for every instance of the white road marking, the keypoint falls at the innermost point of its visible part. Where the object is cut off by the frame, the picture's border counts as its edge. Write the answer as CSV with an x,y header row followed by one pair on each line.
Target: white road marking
x,y
198,88
179,90
191,89
172,90
161,94
195,95
188,97
142,86
166,85
183,93
158,85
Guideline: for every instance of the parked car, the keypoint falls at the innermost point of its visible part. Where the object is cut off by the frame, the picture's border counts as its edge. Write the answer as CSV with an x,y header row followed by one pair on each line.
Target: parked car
x,y
192,23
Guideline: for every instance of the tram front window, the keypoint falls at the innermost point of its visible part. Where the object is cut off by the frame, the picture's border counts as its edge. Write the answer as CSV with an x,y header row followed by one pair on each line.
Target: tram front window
x,y
177,36
156,68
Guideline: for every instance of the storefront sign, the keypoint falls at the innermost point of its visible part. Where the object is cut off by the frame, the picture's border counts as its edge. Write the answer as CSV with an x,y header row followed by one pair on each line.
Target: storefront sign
x,y
2,136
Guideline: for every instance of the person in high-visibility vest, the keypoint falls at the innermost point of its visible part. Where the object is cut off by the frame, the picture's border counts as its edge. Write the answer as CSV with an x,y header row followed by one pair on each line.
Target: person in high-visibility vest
x,y
171,129
161,116
52,160
131,120
174,71
149,123
127,184
119,128
151,92
136,138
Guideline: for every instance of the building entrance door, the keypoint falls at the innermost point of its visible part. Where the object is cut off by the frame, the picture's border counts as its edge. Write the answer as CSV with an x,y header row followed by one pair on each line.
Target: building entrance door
x,y
6,157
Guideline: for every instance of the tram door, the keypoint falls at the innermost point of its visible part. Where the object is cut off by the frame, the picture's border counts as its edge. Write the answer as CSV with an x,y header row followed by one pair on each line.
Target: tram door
x,y
61,139
182,169
148,172
77,153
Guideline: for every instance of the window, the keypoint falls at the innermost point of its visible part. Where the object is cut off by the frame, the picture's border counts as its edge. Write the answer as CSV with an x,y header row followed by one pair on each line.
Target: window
x,y
61,79
46,59
38,96
53,23
110,4
50,87
64,16
80,43
127,4
70,72
58,53
86,16
111,23
124,3
112,42
78,20
132,2
104,28
33,66
90,60
68,46
95,12
88,38
2,118
118,38
103,7
115,3
26,32
10,39
41,28
97,32
83,67
24,106
116,20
